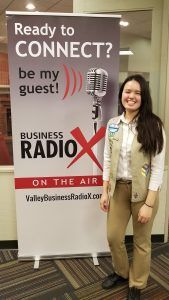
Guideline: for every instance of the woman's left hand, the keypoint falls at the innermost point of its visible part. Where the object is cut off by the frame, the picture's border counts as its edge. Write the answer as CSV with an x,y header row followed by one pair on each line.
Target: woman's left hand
x,y
144,214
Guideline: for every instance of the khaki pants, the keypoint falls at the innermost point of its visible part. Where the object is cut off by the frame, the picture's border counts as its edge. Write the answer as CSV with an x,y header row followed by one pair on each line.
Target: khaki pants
x,y
121,209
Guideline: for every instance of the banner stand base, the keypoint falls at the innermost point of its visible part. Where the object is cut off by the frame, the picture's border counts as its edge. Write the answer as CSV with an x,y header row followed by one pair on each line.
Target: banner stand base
x,y
37,258
95,259
36,263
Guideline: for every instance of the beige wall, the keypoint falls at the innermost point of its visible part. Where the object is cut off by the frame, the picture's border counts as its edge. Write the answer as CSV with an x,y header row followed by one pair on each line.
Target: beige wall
x,y
141,47
159,55
158,42
7,204
157,62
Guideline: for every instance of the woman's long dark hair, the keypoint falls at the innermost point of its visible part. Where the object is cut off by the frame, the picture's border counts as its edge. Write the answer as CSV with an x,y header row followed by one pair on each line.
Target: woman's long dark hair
x,y
149,126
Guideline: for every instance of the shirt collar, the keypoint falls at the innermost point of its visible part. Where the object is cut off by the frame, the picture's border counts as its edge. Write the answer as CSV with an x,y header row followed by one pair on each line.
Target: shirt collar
x,y
123,119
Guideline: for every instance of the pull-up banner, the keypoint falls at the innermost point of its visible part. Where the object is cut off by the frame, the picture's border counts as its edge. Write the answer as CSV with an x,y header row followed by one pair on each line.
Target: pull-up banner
x,y
58,155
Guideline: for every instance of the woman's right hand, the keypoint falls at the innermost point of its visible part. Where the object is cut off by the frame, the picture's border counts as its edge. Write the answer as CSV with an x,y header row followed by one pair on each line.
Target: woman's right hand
x,y
104,202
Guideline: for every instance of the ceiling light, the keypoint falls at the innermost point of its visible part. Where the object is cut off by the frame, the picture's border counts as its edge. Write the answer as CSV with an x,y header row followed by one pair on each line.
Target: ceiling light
x,y
30,6
124,23
126,52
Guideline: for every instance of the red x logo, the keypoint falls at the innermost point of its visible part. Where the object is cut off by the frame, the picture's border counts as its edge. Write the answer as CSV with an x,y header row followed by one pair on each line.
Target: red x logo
x,y
78,135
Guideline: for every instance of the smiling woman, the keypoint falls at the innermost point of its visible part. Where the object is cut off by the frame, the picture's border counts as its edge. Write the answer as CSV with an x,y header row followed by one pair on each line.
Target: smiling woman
x,y
131,99
133,171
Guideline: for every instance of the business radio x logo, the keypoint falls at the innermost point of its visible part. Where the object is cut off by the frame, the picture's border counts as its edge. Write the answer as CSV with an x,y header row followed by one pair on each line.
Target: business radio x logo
x,y
86,146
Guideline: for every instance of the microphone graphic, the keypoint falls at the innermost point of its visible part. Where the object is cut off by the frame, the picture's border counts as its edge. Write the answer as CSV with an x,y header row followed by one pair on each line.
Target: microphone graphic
x,y
96,87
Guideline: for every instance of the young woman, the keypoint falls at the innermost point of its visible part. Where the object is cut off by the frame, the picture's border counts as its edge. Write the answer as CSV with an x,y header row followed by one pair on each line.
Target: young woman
x,y
133,170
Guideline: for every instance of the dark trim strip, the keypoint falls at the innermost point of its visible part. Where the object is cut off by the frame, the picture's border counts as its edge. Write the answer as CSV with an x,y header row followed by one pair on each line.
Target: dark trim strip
x,y
155,238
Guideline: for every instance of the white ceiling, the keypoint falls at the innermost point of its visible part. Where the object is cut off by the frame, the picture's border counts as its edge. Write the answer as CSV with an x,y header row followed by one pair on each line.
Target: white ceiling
x,y
140,21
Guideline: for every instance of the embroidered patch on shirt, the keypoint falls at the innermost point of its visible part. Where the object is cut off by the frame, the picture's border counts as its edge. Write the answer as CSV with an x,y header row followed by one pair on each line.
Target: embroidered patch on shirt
x,y
145,170
135,195
113,128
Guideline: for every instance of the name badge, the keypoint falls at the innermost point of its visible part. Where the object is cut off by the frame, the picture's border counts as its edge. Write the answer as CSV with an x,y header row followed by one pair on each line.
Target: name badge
x,y
113,128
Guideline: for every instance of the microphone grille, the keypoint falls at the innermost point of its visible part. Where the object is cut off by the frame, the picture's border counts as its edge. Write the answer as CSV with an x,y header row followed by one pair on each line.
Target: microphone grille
x,y
97,82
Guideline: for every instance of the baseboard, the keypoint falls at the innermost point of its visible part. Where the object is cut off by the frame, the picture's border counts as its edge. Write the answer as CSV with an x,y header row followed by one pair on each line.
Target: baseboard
x,y
12,244
155,238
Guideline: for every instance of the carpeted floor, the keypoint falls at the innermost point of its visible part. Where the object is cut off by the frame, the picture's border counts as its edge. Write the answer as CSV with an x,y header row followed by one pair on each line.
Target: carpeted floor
x,y
73,279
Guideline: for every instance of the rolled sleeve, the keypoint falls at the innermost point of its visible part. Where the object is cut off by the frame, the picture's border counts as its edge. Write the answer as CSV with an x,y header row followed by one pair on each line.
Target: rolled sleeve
x,y
157,168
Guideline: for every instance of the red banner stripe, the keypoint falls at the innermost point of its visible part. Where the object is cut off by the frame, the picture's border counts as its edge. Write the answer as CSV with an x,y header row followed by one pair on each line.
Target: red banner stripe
x,y
67,82
74,82
57,182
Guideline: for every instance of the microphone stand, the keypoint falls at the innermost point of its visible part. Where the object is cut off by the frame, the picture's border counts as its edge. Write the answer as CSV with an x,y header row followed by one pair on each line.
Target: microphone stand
x,y
96,111
97,118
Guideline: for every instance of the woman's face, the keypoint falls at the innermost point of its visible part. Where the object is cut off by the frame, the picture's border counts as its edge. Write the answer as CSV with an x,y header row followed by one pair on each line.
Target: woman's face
x,y
131,96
